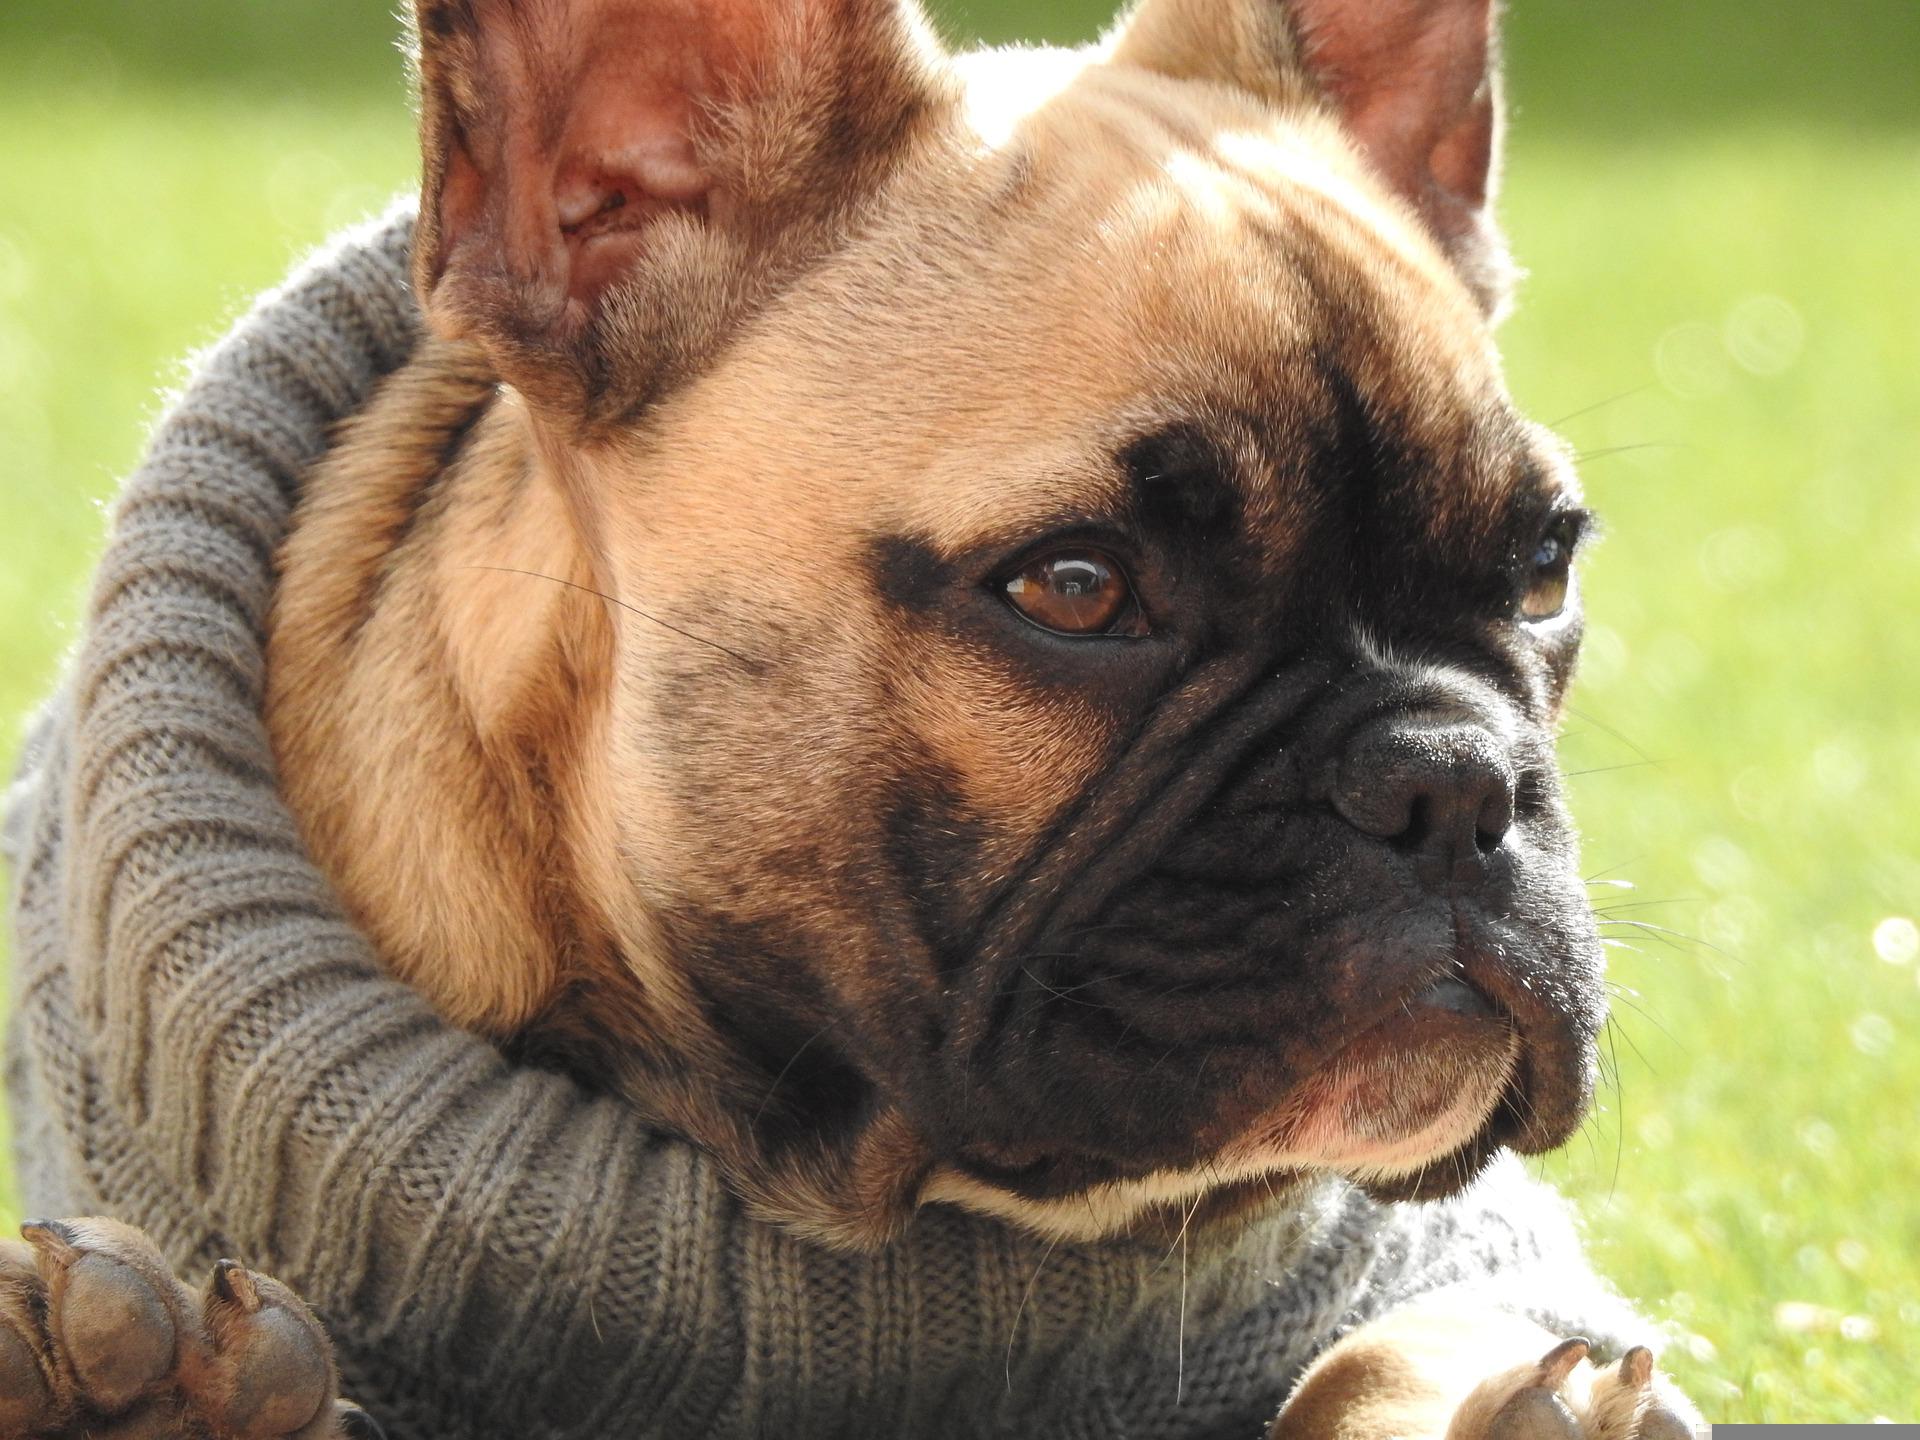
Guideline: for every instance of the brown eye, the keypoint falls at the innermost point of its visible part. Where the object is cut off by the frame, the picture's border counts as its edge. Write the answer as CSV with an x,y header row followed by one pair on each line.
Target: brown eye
x,y
1552,574
1076,592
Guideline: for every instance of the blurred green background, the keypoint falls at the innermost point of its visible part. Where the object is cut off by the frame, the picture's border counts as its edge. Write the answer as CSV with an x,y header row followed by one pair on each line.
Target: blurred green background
x,y
1720,205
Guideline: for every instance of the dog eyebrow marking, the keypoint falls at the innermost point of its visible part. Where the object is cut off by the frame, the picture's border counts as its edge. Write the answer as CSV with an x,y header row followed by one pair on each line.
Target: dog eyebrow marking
x,y
909,572
1180,476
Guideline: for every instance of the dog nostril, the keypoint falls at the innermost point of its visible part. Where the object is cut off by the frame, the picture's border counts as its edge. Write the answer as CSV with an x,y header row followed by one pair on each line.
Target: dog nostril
x,y
1439,789
1495,818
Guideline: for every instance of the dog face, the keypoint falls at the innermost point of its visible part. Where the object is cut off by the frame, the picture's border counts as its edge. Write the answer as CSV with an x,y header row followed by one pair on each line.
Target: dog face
x,y
1090,619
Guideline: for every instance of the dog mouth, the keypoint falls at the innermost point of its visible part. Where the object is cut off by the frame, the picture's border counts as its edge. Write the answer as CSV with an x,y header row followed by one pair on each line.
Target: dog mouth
x,y
1408,1108
1424,1087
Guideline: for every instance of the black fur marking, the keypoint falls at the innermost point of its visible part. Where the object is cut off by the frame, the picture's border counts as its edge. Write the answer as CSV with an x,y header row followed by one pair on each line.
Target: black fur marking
x,y
1183,487
759,997
933,846
909,573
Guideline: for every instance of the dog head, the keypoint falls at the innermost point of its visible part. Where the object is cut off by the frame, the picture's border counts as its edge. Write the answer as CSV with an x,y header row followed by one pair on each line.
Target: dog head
x,y
1091,621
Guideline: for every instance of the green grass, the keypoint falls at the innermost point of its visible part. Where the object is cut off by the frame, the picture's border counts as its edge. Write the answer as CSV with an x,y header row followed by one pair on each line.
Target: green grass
x,y
1755,638
1720,223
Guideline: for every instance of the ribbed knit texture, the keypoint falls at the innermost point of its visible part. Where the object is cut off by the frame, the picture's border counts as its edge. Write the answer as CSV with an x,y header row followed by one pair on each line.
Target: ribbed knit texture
x,y
202,1045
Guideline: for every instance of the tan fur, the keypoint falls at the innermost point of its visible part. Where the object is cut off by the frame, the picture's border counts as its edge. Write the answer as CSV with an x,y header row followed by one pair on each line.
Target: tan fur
x,y
1459,1369
479,756
580,643
1422,1374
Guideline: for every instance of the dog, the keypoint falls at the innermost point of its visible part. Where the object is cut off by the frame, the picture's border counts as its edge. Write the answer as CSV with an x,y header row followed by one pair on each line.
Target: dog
x,y
974,630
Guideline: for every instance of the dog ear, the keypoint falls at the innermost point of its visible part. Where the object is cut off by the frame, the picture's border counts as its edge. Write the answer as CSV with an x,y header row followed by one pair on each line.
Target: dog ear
x,y
1414,83
608,184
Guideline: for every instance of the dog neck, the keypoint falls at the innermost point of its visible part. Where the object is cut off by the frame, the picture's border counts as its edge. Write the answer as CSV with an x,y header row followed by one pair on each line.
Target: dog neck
x,y
456,796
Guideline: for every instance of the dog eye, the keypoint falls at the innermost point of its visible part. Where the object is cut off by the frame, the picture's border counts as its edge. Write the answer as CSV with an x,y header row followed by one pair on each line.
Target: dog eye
x,y
1551,575
1076,592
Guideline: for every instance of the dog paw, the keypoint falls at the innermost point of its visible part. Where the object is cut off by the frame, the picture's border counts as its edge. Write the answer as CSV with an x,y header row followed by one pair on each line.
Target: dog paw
x,y
98,1339
1562,1396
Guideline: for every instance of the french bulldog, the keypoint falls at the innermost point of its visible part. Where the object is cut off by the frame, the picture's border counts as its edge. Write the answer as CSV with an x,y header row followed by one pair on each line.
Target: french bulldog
x,y
971,630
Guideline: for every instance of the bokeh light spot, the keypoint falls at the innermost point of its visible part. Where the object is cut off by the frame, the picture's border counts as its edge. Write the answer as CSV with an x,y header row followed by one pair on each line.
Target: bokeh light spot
x,y
1896,940
1765,334
1858,1328
1872,1034
1691,361
1822,1139
1838,768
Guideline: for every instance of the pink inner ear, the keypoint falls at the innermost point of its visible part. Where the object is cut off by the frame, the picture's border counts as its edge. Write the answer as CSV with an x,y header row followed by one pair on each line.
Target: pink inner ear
x,y
627,159
1411,81
577,135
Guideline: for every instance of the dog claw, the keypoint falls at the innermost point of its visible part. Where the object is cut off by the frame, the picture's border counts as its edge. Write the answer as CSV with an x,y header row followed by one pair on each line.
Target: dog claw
x,y
98,1337
1632,1400
50,1238
357,1424
1558,1363
231,1282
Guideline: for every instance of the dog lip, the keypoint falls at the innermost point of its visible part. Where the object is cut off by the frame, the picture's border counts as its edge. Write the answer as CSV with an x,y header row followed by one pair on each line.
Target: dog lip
x,y
1444,1175
1552,1087
1035,1172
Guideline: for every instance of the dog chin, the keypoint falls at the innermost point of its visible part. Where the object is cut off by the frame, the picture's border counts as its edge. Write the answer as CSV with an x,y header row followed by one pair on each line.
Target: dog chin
x,y
1384,1110
1401,1122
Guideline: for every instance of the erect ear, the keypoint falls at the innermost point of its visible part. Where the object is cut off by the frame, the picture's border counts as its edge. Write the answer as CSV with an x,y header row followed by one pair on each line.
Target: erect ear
x,y
1415,84
608,184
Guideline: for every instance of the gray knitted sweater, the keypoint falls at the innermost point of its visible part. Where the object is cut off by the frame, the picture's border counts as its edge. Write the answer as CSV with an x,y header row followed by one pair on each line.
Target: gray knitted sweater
x,y
201,1044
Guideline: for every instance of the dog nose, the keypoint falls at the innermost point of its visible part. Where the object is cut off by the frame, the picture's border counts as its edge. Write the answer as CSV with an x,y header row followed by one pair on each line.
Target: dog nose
x,y
1438,788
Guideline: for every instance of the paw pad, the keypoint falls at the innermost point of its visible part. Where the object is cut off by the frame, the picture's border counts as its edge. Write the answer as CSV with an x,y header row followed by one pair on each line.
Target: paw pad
x,y
94,1327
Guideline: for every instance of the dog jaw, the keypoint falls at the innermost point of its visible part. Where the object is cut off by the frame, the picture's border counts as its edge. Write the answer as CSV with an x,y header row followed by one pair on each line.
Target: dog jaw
x,y
1309,1138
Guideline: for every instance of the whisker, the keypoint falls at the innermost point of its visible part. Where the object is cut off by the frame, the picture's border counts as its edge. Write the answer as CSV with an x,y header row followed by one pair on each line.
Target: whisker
x,y
1613,1031
1584,456
1067,995
1651,1018
1645,904
733,655
1648,930
1180,1344
1602,404
1642,764
1587,718
1666,934
792,1060
1609,1066
1640,1054
1013,1331
1180,1238
1595,878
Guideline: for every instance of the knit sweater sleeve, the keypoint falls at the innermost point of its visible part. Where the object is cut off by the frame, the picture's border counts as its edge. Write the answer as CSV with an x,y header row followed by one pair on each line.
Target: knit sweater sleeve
x,y
1509,1241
